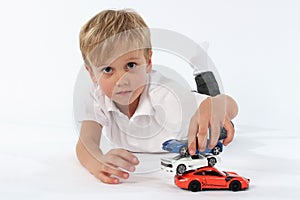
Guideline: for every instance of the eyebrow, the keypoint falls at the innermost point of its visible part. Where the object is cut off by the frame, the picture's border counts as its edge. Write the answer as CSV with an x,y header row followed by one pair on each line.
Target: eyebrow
x,y
133,58
102,66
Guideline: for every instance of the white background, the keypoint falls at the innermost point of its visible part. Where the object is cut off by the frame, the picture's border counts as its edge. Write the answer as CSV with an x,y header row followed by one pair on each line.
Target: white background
x,y
254,44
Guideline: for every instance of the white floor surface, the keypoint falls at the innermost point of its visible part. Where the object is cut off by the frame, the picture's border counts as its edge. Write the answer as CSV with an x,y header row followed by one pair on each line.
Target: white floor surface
x,y
39,162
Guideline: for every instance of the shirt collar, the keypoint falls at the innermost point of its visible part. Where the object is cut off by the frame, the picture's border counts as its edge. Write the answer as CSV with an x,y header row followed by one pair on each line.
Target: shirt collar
x,y
110,105
145,106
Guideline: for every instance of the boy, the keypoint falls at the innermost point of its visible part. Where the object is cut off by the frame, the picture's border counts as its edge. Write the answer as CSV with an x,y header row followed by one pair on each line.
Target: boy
x,y
138,107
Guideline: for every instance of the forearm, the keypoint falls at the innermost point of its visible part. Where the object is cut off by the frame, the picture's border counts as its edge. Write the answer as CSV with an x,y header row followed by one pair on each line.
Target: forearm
x,y
89,156
87,149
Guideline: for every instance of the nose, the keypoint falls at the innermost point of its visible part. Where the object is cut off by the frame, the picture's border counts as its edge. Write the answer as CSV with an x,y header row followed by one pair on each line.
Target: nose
x,y
121,78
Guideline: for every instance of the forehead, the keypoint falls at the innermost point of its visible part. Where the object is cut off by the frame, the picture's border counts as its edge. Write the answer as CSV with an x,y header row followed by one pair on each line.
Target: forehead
x,y
116,46
133,56
105,55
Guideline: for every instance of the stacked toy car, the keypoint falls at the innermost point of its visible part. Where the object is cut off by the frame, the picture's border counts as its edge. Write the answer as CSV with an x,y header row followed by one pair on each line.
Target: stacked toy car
x,y
197,172
181,146
211,178
181,164
184,161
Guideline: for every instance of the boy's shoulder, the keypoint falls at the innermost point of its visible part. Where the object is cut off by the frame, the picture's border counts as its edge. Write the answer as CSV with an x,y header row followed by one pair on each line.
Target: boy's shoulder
x,y
163,90
163,84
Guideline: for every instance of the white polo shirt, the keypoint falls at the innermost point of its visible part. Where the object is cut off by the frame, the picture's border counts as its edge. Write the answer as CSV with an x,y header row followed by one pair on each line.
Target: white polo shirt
x,y
164,112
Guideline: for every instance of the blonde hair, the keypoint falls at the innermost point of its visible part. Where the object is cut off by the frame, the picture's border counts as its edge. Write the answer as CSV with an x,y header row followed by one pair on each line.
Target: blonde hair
x,y
113,30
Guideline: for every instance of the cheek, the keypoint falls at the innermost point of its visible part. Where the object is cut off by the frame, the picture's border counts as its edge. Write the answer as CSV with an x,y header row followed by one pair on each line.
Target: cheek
x,y
106,86
139,79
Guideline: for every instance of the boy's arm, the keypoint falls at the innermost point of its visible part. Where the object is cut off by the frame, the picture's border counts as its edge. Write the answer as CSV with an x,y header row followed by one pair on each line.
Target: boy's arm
x,y
106,167
87,149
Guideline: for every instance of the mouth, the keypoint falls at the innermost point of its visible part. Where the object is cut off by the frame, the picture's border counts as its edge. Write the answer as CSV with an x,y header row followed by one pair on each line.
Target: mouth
x,y
126,92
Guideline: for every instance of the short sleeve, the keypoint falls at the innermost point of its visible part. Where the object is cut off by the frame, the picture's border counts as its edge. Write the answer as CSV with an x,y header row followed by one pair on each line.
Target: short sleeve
x,y
100,112
83,98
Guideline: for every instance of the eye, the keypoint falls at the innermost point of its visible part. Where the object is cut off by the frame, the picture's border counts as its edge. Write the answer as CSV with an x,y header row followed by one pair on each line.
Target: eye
x,y
107,70
131,65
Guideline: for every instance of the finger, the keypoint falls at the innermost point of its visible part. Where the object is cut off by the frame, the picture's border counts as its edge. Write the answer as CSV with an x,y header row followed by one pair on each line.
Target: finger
x,y
118,161
202,137
214,135
218,107
126,155
106,178
106,172
192,132
230,132
203,123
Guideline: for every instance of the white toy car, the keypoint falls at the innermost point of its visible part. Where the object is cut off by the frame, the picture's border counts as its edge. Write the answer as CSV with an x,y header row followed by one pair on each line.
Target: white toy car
x,y
181,164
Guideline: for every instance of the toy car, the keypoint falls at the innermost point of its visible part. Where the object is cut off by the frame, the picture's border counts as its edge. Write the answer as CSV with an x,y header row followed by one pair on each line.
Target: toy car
x,y
180,164
211,178
181,146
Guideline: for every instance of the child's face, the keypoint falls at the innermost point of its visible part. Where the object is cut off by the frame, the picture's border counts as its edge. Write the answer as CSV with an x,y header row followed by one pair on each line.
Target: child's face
x,y
124,79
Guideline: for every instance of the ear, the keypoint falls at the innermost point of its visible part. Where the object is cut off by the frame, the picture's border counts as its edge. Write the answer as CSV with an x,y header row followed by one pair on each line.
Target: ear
x,y
91,73
149,66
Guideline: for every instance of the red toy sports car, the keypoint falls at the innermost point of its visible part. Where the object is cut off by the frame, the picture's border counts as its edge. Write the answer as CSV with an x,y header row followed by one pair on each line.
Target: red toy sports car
x,y
211,178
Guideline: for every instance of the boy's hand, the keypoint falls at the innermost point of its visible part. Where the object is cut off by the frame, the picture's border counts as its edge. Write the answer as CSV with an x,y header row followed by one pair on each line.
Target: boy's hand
x,y
113,166
213,112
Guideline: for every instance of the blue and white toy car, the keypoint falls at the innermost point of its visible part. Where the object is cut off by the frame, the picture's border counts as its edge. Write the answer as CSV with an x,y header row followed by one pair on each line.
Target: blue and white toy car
x,y
181,146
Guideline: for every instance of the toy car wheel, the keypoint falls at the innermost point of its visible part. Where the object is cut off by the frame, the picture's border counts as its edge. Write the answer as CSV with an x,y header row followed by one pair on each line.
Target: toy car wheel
x,y
194,186
212,161
216,150
235,186
183,151
181,169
